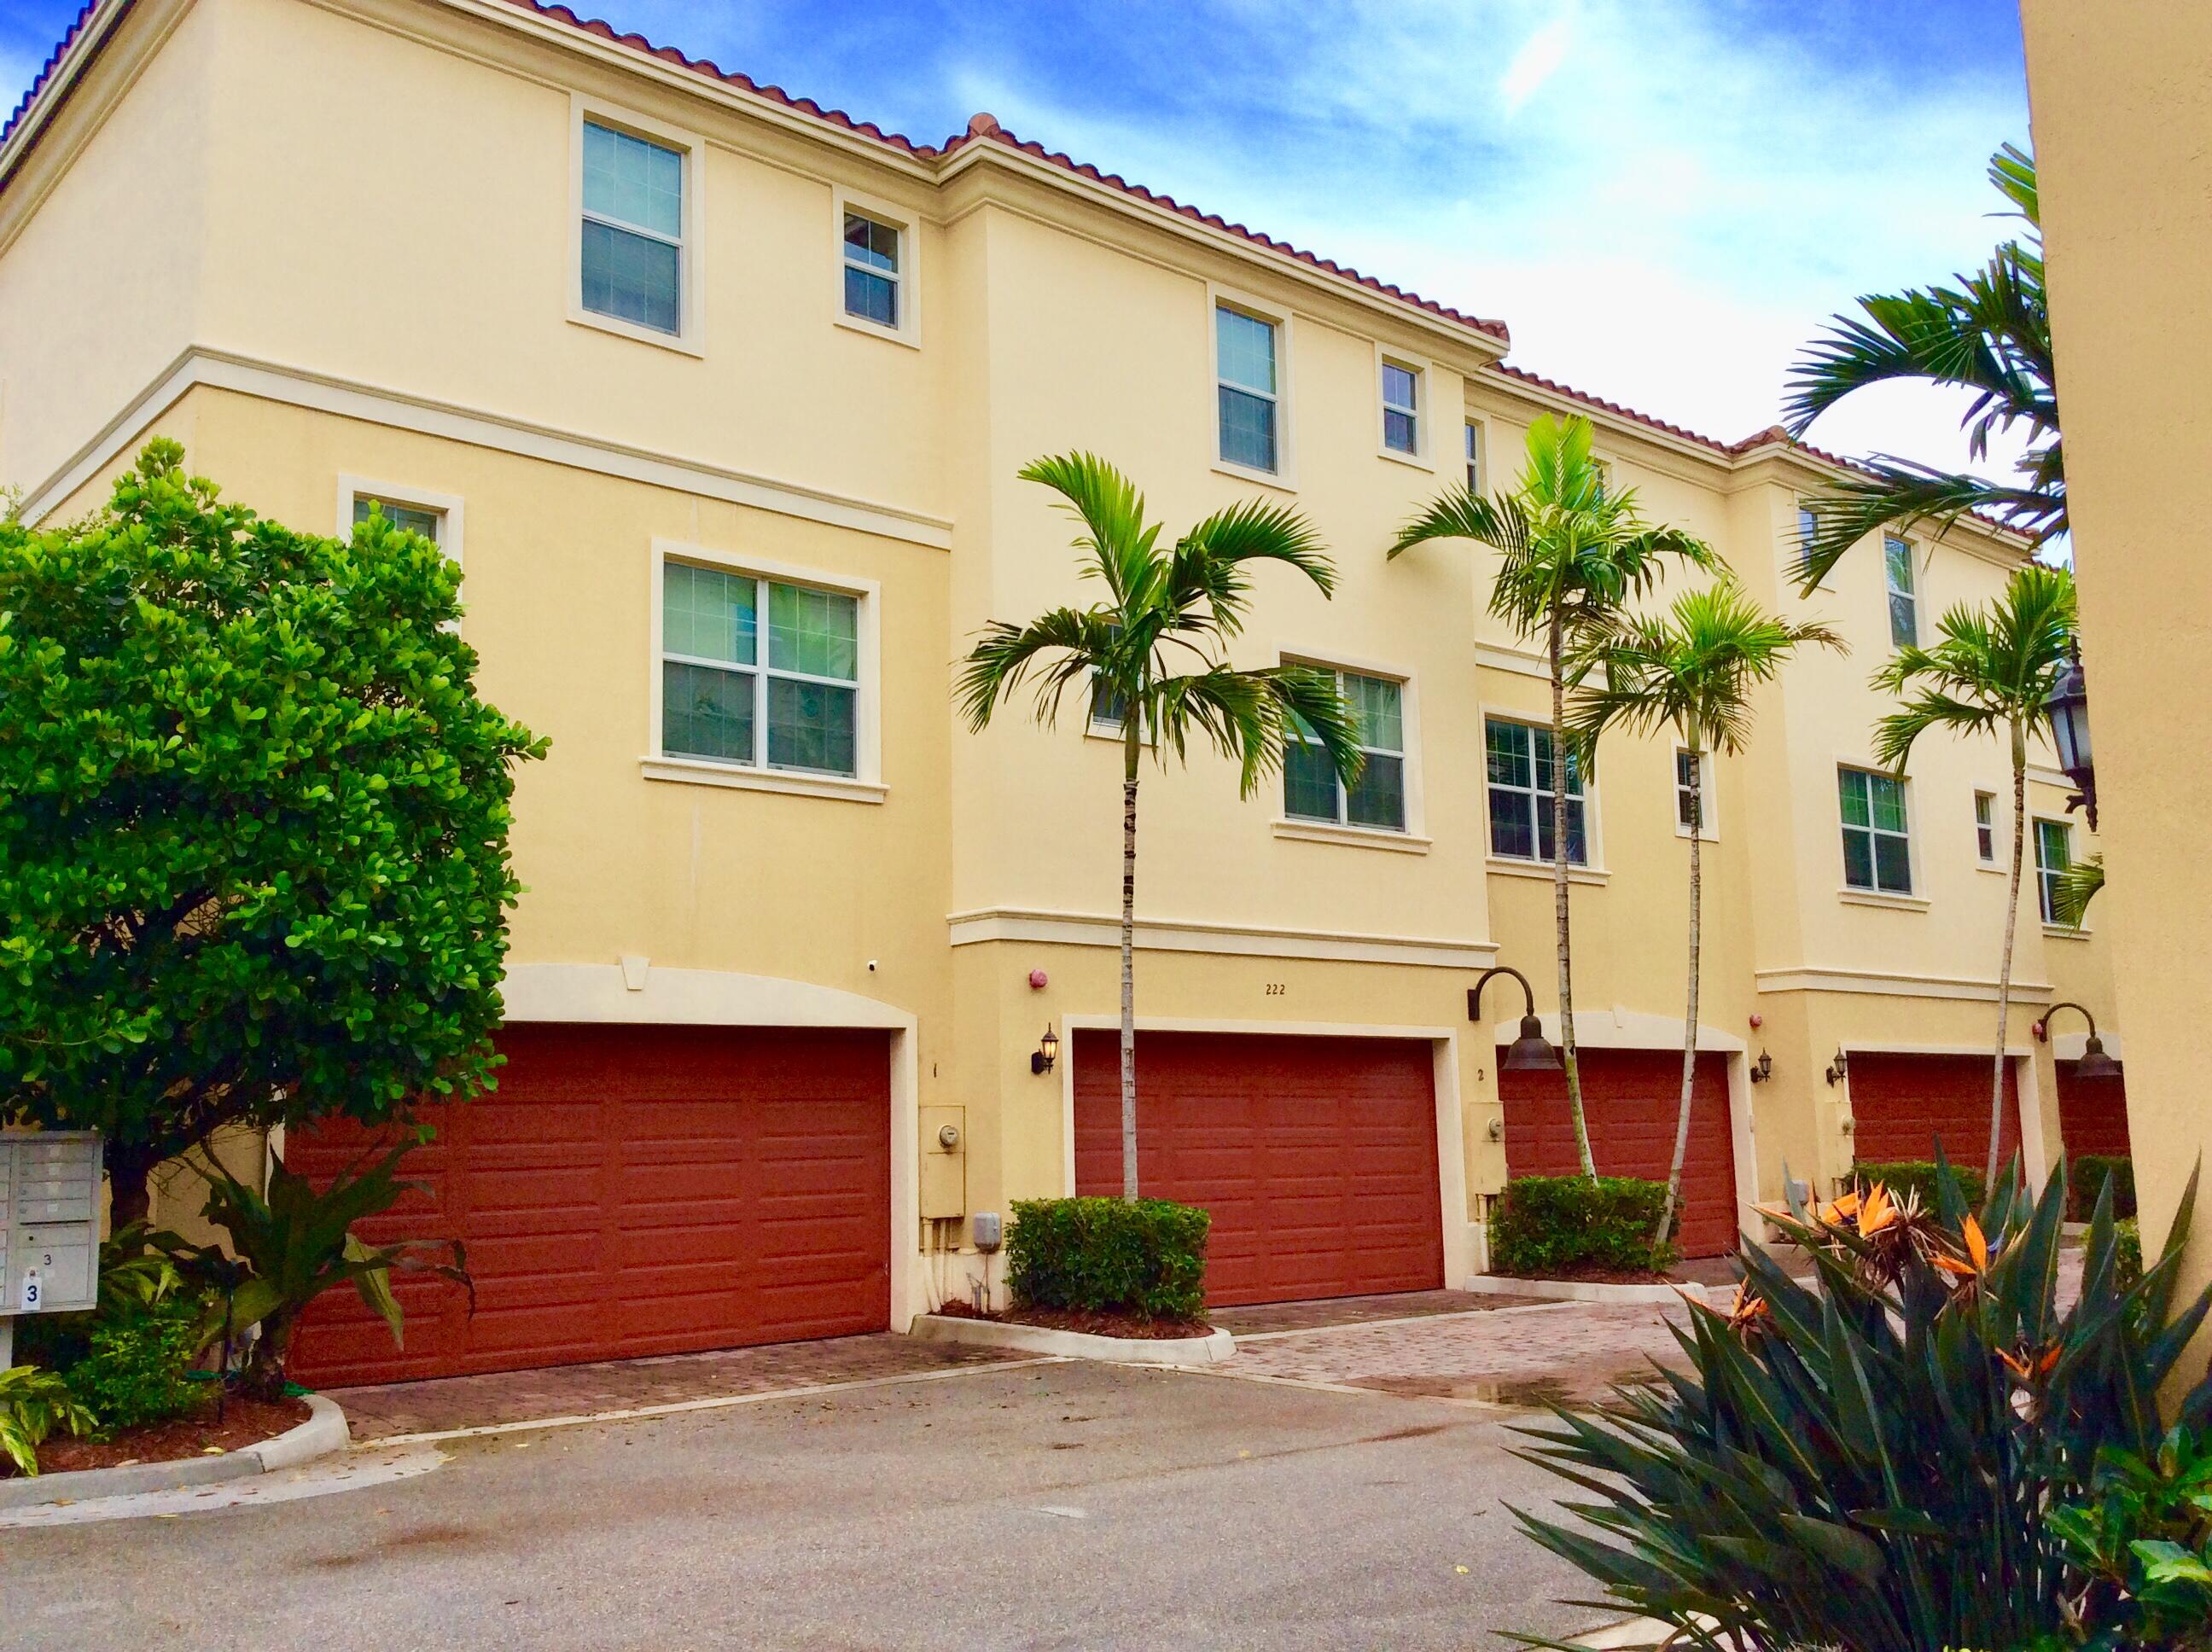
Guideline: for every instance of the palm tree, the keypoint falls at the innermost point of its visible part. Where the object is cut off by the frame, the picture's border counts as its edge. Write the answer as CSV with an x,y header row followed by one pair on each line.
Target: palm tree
x,y
1152,652
2079,884
1988,333
1692,670
1574,551
1990,674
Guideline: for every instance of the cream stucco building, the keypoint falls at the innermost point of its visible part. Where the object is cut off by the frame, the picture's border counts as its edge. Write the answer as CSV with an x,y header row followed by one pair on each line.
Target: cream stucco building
x,y
659,354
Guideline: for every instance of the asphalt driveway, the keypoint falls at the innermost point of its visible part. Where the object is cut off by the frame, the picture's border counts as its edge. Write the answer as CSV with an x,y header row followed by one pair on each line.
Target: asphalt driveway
x,y
1059,1505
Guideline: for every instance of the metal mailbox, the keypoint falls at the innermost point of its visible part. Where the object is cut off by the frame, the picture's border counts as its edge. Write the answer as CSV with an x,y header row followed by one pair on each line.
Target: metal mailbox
x,y
49,1222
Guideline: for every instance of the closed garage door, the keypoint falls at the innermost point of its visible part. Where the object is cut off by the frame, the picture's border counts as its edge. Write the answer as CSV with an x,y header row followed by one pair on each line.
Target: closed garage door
x,y
633,1190
1317,1156
1902,1105
2093,1113
1631,1100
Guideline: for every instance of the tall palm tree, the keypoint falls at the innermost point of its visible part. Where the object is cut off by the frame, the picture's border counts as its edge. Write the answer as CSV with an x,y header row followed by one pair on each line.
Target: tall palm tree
x,y
1691,670
1990,674
1573,552
1988,333
1152,652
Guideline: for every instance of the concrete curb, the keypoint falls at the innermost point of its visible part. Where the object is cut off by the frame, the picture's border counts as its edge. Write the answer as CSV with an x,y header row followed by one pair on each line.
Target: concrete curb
x,y
1210,1350
1500,1285
322,1434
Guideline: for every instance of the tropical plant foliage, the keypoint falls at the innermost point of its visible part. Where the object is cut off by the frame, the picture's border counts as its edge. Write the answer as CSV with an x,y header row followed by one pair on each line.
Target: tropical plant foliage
x,y
2140,1545
2078,885
34,1403
253,823
1872,1460
1987,333
1573,552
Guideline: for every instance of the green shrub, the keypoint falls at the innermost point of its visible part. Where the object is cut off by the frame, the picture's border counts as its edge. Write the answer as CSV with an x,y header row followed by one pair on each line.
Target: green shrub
x,y
1918,1177
2141,1545
33,1405
138,1367
1544,1224
2090,1172
2127,1246
1146,1257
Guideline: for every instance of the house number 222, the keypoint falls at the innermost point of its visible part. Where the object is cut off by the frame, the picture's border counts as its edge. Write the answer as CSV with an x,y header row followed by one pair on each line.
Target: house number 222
x,y
1276,988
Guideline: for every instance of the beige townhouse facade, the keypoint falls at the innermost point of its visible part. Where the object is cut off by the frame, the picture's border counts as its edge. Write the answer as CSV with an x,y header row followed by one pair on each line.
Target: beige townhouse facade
x,y
719,398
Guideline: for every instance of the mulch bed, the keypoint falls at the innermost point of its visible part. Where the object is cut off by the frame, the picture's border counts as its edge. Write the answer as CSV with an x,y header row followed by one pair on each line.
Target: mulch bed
x,y
1089,1322
244,1422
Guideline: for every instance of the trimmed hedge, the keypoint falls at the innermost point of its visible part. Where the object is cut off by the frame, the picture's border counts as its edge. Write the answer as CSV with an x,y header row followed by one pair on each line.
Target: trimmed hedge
x,y
1146,1258
1549,1225
1918,1176
2086,1179
2127,1253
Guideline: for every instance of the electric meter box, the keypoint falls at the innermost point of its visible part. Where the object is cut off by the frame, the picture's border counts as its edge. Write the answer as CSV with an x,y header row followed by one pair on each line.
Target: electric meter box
x,y
48,1221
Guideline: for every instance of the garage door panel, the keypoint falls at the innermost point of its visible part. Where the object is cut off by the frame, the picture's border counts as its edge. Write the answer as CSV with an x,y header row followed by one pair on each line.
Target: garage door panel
x,y
1903,1104
633,1190
2093,1113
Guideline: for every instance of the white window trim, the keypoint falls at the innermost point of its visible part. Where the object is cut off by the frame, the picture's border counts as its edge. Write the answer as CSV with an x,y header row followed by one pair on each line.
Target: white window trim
x,y
1708,828
450,516
1912,562
865,785
1413,833
1794,549
903,220
691,258
2034,860
1423,458
1914,900
1995,862
1284,475
1593,869
1480,426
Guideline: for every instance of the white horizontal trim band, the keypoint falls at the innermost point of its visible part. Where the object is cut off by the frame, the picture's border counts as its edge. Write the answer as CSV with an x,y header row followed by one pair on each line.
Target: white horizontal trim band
x,y
1090,929
1816,980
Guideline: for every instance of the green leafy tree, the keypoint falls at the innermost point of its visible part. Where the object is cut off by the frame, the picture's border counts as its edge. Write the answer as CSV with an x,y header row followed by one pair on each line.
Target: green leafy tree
x,y
1573,552
1691,669
1152,653
1989,673
1987,334
254,822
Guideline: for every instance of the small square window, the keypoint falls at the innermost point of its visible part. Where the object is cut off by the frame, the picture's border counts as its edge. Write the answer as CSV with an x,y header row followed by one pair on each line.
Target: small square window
x,y
1402,408
1877,845
1986,827
872,271
1311,788
1249,400
786,700
1520,777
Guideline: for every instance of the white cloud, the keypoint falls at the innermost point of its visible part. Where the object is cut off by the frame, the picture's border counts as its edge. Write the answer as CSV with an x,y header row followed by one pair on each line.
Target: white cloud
x,y
1536,61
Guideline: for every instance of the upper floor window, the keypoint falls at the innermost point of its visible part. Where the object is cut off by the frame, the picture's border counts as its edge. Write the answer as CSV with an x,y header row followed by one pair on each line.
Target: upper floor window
x,y
2054,853
1402,408
1248,388
1877,845
1693,793
633,229
782,694
1311,789
430,523
1521,773
1473,457
872,270
1808,527
1904,605
1986,827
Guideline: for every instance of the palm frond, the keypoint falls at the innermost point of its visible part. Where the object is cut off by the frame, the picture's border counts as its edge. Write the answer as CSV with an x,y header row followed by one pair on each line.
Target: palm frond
x,y
1208,562
1061,647
1901,495
1247,715
2074,888
1112,513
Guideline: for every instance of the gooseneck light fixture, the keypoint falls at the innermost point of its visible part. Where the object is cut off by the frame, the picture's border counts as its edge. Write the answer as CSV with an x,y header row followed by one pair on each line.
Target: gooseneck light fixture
x,y
2094,1063
1047,1053
1529,1053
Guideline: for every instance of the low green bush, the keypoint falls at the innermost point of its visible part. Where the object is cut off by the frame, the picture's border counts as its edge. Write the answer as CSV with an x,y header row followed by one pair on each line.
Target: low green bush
x,y
2087,1175
1917,1176
1546,1224
1146,1257
33,1405
138,1367
2127,1253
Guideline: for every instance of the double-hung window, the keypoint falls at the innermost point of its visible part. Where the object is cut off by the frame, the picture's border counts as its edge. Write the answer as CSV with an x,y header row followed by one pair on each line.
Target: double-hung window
x,y
1877,845
1402,408
1473,457
633,229
1522,780
1311,789
1247,389
2054,853
430,523
1693,793
1986,827
873,277
781,694
1903,604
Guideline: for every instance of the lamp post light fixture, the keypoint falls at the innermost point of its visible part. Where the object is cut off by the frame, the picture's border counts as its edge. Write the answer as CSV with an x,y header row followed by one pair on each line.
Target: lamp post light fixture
x,y
1762,1069
2094,1063
1047,1053
2068,707
1529,1053
1838,1067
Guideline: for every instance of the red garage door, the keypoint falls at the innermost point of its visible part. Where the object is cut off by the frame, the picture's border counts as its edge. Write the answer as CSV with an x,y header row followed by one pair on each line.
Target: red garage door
x,y
1901,1105
1631,1099
2093,1113
633,1190
1317,1156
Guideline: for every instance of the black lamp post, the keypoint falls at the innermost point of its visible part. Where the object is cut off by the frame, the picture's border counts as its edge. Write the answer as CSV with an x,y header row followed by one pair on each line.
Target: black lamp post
x,y
2094,1063
1529,1053
2068,707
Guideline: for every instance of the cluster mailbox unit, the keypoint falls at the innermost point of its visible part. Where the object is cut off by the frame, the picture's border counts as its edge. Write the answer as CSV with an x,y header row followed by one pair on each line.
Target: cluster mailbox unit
x,y
49,1225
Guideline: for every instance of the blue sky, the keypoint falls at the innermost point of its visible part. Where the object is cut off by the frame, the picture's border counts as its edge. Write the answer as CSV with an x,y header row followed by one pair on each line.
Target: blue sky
x,y
1663,198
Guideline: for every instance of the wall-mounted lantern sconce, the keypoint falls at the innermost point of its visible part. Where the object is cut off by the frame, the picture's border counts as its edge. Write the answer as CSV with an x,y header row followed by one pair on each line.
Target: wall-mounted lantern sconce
x,y
1762,1069
2094,1063
1047,1053
1838,1067
1529,1053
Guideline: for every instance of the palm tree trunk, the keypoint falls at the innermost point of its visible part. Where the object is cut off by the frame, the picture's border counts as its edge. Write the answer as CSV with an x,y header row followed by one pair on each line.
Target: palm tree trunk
x,y
1560,903
1690,1015
1130,738
2011,923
